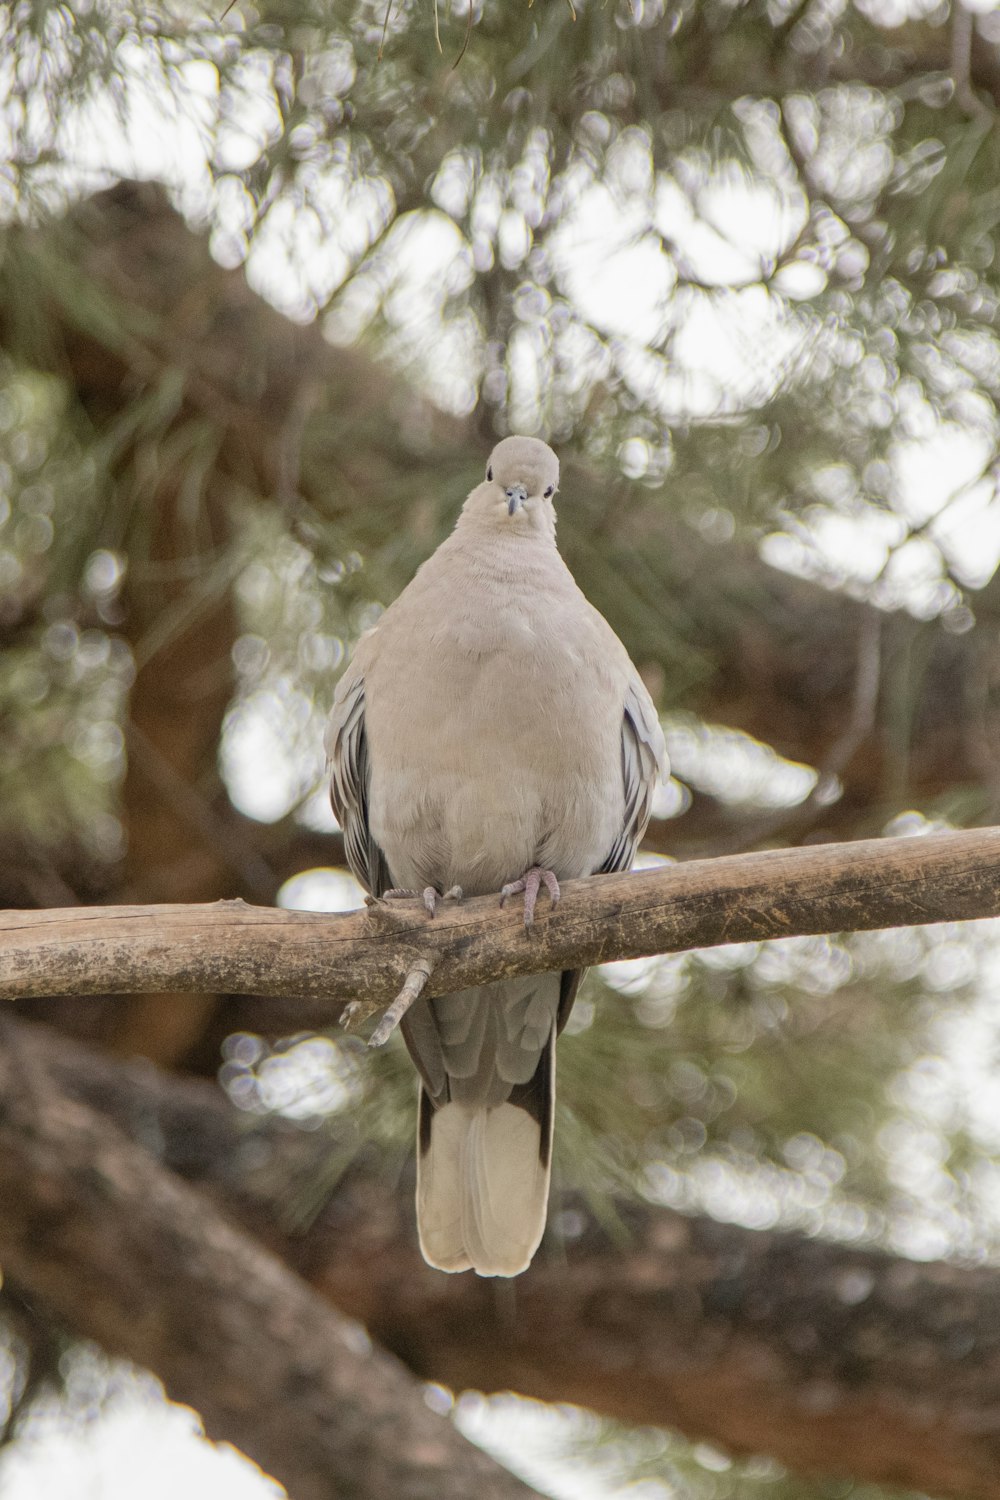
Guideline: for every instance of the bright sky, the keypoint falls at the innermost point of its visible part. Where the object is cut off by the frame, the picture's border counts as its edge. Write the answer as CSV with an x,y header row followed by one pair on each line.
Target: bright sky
x,y
620,279
138,1446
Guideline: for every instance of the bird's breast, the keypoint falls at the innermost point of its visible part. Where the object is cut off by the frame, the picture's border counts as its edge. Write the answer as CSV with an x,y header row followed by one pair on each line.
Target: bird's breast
x,y
487,757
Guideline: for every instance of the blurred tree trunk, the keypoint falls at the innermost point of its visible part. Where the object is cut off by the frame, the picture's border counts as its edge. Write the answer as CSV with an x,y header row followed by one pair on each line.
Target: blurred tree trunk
x,y
211,389
179,615
833,1359
124,1253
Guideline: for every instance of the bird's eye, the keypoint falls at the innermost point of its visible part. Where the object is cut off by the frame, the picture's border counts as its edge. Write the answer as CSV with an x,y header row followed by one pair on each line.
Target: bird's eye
x,y
550,492
489,471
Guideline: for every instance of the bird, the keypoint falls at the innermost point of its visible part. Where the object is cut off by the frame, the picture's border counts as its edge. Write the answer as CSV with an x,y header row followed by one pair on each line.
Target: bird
x,y
490,735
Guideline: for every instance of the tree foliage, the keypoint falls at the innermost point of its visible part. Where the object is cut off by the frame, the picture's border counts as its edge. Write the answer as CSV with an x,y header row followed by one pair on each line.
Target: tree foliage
x,y
739,264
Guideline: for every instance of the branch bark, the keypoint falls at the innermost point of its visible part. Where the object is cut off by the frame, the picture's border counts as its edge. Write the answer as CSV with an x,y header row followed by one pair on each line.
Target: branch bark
x,y
124,1253
326,961
832,1358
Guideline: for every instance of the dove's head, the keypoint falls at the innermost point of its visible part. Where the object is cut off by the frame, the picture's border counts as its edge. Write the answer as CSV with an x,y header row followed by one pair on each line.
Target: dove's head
x,y
522,476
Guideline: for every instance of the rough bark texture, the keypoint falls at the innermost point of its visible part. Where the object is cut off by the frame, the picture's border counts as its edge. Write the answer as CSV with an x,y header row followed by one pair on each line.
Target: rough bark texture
x,y
337,958
126,1254
832,1358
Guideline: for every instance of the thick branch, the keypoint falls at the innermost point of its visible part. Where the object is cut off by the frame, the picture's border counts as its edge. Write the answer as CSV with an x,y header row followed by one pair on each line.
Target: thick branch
x,y
232,947
830,1357
124,1253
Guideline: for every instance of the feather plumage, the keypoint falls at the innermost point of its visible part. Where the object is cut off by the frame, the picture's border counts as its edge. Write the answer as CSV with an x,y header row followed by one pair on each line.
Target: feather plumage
x,y
490,722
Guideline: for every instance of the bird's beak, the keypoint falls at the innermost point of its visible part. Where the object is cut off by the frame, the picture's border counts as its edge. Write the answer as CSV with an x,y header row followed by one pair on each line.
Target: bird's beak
x,y
516,496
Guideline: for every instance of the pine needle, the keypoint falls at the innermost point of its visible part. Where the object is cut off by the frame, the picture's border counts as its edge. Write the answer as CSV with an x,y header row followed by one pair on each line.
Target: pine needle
x,y
437,28
385,28
465,44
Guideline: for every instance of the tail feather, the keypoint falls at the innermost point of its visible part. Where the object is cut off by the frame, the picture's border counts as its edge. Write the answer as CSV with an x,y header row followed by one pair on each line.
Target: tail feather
x,y
483,1178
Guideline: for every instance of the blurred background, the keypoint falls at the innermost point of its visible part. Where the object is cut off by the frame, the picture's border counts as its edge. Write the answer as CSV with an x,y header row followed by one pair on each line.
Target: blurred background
x,y
272,283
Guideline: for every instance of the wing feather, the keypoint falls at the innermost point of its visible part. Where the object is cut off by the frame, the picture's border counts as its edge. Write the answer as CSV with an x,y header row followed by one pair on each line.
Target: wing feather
x,y
347,748
643,764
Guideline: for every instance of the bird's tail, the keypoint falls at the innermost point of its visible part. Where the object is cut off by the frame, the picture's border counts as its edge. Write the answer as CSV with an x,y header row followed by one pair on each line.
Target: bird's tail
x,y
483,1177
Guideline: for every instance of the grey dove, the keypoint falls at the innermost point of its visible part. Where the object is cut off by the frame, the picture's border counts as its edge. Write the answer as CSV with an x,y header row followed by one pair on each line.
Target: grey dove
x,y
491,735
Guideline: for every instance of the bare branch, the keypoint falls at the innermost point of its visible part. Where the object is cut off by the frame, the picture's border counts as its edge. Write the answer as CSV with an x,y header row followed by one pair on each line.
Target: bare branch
x,y
366,956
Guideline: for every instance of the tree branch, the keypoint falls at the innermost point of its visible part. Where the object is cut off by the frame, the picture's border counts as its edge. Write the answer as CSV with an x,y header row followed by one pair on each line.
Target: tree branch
x,y
335,959
124,1253
832,1358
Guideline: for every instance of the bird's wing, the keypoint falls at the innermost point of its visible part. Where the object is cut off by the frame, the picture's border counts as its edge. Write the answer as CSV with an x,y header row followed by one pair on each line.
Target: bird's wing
x,y
347,749
643,764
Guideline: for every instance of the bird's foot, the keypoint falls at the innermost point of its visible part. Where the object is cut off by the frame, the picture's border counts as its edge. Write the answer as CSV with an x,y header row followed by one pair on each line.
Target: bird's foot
x,y
429,896
530,883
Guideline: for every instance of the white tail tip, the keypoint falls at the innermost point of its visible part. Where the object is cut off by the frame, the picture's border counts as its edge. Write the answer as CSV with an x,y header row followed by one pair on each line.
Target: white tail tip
x,y
482,1189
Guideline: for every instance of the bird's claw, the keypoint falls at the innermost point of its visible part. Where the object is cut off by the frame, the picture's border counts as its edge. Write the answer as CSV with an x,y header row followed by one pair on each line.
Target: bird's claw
x,y
530,883
429,896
